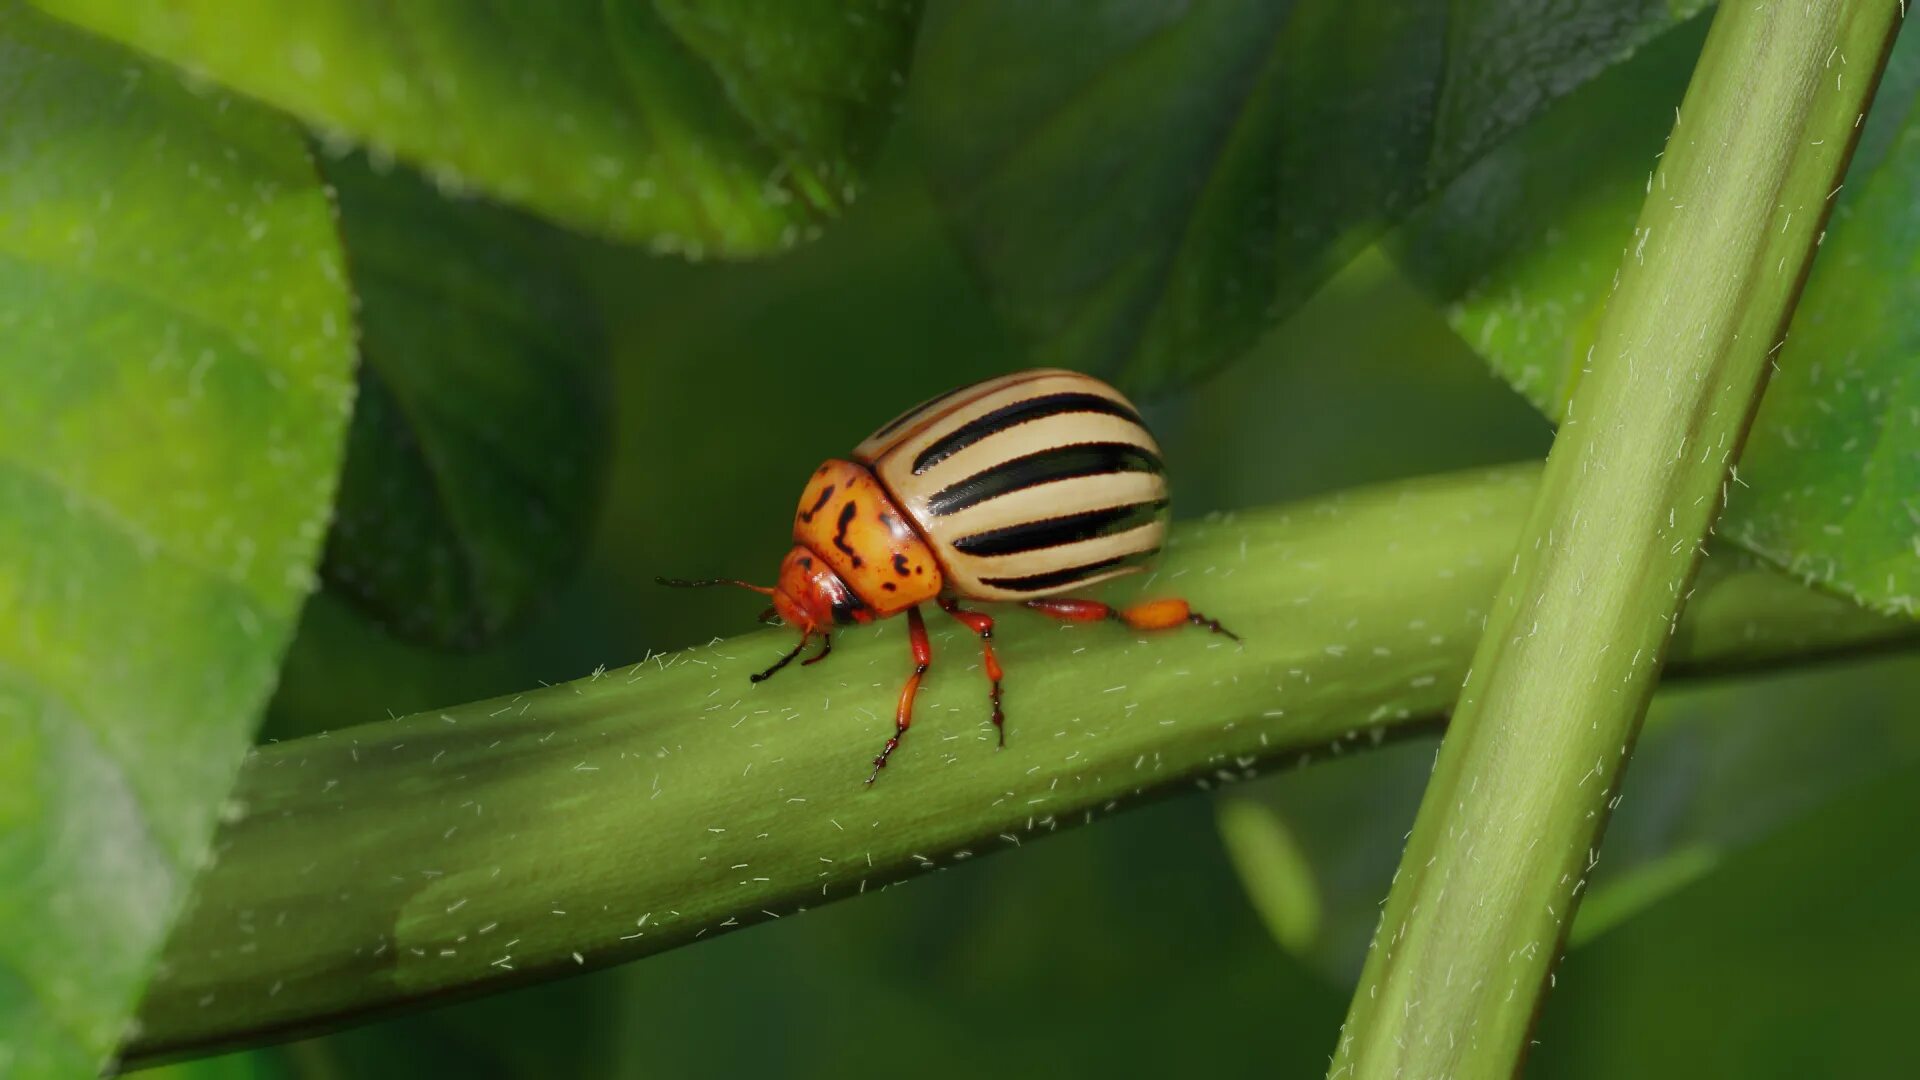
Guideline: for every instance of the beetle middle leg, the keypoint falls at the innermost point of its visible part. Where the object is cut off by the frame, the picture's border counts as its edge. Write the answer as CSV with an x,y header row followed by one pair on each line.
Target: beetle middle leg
x,y
982,625
903,715
1151,615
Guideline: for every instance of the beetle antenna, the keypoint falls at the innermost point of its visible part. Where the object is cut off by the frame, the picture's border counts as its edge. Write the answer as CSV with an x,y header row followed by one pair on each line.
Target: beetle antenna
x,y
683,583
783,661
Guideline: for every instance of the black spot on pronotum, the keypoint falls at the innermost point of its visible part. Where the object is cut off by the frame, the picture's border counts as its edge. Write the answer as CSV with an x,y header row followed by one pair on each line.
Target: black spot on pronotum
x,y
889,586
840,534
825,494
900,566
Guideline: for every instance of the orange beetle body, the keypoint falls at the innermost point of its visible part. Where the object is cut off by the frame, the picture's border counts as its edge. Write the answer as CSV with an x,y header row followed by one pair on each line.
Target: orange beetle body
x,y
1014,489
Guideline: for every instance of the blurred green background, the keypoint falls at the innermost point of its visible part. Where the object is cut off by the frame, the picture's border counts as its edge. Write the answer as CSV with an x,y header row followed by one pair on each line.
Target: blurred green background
x,y
1129,948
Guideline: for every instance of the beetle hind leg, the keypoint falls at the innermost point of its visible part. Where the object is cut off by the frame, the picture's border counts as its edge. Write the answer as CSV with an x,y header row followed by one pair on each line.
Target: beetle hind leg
x,y
1150,615
1197,619
982,624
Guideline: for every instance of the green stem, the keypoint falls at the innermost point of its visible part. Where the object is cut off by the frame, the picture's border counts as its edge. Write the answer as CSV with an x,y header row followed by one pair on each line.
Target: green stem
x,y
1579,630
506,842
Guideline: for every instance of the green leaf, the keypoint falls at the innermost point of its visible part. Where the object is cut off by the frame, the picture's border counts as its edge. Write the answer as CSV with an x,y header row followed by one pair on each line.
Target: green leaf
x,y
1524,247
176,351
728,128
258,1065
1147,187
480,438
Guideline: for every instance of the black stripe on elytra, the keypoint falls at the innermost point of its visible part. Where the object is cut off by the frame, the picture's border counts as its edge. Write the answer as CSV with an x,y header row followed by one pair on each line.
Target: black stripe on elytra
x,y
1055,579
1053,463
825,494
840,534
1066,529
1020,412
898,421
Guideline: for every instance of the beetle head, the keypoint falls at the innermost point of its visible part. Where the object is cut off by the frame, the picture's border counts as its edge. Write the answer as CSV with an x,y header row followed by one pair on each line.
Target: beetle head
x,y
809,597
812,598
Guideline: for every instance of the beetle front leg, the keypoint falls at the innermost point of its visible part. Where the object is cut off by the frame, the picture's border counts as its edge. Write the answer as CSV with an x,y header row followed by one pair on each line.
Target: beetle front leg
x,y
982,625
783,661
1151,615
903,715
826,649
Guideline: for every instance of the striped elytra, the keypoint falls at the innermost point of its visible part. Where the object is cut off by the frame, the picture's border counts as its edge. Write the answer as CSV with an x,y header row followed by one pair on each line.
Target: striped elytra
x,y
1014,489
1026,485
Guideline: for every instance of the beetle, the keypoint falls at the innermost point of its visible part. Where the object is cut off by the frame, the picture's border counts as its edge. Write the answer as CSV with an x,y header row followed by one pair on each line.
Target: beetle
x,y
1016,489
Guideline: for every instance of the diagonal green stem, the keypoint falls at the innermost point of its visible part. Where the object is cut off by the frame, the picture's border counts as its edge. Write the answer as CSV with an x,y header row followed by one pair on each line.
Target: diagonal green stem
x,y
511,841
1579,630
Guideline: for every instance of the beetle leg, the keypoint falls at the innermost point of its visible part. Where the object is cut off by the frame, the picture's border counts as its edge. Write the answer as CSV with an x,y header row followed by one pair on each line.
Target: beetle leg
x,y
783,661
826,646
903,716
982,625
1151,615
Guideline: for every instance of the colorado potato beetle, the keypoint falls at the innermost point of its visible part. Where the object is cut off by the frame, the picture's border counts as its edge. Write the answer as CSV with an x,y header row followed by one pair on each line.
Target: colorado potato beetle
x,y
1016,489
